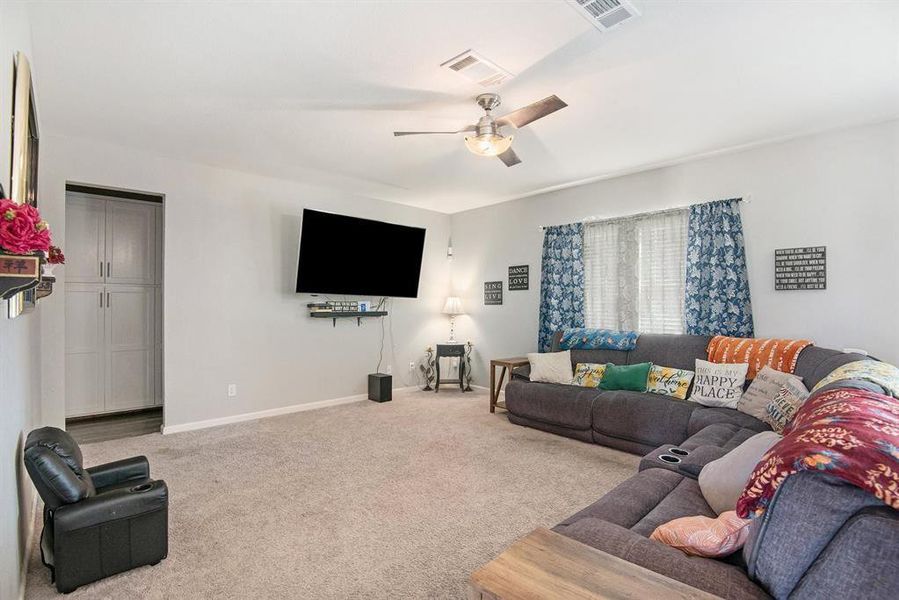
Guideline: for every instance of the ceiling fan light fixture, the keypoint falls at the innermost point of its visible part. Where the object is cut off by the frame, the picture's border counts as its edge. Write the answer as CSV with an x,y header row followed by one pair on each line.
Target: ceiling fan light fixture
x,y
488,144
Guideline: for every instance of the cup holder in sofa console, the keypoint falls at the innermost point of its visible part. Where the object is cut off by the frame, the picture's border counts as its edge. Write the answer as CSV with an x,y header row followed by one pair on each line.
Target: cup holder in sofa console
x,y
144,487
678,451
669,459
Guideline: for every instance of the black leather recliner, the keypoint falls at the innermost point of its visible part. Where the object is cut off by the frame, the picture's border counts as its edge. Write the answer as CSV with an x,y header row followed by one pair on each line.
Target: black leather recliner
x,y
98,521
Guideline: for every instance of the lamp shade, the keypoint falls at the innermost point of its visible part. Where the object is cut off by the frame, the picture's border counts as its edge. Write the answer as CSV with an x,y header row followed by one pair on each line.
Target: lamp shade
x,y
453,306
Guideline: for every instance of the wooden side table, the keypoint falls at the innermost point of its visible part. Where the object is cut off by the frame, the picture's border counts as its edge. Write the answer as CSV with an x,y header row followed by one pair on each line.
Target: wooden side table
x,y
507,364
545,565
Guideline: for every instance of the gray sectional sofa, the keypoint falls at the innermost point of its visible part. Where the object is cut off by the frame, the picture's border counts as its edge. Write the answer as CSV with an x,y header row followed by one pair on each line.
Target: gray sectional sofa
x,y
819,538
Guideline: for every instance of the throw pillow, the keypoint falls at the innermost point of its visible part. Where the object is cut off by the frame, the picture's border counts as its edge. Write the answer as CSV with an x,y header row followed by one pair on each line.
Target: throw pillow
x,y
704,536
722,481
669,381
551,367
588,374
762,390
782,409
718,384
625,377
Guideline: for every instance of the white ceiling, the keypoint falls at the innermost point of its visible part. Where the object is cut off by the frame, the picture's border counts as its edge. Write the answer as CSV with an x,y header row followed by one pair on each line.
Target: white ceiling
x,y
312,91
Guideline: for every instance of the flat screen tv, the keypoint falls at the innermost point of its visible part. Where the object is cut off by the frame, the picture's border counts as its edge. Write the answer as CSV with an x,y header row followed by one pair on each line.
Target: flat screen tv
x,y
347,255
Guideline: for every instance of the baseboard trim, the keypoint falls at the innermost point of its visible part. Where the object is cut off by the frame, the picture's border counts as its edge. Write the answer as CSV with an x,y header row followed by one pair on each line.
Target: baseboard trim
x,y
272,412
29,548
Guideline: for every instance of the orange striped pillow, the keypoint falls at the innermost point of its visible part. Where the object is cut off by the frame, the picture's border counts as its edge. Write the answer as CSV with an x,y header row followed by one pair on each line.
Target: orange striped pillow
x,y
704,536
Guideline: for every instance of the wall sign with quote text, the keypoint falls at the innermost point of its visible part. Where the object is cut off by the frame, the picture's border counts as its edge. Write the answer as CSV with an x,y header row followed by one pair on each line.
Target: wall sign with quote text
x,y
493,292
800,268
518,277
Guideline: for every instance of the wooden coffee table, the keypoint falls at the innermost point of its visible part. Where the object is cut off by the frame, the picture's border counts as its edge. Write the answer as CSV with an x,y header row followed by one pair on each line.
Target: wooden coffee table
x,y
545,565
496,387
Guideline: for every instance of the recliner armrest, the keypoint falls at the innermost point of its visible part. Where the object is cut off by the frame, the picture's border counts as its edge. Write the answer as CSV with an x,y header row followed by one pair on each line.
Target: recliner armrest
x,y
120,471
523,373
116,504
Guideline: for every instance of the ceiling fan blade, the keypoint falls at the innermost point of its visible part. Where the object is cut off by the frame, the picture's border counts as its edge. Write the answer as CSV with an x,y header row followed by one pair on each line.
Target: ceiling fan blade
x,y
509,158
463,130
530,113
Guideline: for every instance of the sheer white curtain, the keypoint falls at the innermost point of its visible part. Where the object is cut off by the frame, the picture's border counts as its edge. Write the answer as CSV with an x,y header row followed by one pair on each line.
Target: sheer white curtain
x,y
634,272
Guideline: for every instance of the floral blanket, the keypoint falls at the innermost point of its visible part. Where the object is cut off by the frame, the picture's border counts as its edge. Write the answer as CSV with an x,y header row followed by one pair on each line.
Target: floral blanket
x,y
849,433
780,355
598,339
883,374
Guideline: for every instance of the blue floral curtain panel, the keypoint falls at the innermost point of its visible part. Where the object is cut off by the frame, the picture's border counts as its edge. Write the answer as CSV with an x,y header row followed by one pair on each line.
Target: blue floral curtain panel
x,y
717,298
561,282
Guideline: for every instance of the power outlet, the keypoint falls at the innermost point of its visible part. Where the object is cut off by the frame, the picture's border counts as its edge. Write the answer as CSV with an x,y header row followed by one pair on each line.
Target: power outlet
x,y
232,390
411,365
389,369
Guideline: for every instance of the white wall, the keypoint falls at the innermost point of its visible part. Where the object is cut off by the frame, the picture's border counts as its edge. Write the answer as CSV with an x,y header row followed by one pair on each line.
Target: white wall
x,y
231,314
839,189
19,346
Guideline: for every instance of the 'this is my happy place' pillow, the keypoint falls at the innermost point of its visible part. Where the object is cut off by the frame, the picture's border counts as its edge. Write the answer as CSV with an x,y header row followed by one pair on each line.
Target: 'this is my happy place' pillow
x,y
718,384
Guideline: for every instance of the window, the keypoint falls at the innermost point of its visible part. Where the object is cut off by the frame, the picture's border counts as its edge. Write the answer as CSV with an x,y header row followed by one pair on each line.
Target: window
x,y
634,271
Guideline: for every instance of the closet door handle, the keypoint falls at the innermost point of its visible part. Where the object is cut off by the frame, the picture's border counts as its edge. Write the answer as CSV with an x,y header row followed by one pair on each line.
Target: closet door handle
x,y
107,299
101,299
108,269
101,270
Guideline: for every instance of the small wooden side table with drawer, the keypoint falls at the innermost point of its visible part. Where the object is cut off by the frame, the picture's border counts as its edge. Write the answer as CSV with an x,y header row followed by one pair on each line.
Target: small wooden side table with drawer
x,y
507,364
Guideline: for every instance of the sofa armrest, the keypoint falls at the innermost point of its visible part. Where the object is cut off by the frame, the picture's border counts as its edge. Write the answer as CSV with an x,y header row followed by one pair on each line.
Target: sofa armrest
x,y
120,471
522,373
114,505
805,514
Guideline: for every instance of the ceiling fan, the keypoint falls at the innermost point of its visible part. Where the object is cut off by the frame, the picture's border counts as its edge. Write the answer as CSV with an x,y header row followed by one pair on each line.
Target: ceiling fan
x,y
488,140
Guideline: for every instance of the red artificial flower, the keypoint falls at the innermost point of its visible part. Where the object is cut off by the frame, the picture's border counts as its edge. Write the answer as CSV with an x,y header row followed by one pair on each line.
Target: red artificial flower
x,y
22,231
55,256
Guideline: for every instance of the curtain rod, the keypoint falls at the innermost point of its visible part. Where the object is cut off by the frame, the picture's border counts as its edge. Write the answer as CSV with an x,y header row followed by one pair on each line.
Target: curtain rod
x,y
593,219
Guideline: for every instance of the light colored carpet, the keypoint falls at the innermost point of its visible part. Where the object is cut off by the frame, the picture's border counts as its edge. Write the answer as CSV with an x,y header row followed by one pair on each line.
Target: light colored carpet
x,y
365,500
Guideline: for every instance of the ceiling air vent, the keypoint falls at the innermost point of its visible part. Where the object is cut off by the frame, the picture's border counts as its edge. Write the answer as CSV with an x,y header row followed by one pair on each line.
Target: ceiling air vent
x,y
605,14
477,69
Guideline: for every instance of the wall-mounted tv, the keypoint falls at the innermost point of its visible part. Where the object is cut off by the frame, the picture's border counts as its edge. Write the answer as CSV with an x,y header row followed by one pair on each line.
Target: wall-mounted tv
x,y
348,255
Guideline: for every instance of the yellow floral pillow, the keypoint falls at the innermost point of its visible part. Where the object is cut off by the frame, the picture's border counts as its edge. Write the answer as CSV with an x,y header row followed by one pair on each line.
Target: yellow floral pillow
x,y
669,381
588,374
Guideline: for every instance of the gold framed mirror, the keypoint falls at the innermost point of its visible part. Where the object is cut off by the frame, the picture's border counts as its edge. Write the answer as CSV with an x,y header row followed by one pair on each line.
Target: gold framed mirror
x,y
24,160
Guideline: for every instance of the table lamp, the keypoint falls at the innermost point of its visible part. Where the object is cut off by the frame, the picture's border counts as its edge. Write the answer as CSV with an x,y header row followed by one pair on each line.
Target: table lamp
x,y
452,308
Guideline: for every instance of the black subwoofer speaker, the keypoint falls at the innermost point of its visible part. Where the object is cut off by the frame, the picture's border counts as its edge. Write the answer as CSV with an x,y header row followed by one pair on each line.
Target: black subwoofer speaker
x,y
380,387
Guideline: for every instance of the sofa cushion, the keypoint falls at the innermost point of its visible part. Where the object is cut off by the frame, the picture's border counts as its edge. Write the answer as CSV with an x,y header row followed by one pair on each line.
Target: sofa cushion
x,y
564,405
649,419
621,521
584,435
704,416
677,351
726,436
708,574
647,500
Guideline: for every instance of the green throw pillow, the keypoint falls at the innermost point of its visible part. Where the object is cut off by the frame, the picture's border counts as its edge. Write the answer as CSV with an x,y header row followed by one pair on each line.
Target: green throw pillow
x,y
625,377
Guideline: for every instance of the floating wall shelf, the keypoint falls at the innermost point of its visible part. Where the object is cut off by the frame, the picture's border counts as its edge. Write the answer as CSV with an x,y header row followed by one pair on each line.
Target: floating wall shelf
x,y
348,315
